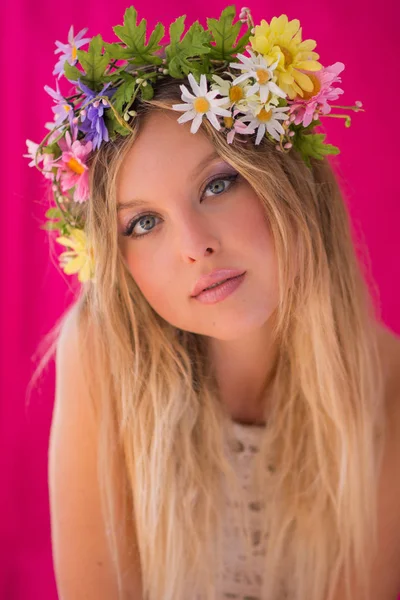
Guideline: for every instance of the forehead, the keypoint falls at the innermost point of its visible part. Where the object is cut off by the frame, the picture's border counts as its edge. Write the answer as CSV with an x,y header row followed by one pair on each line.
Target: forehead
x,y
165,147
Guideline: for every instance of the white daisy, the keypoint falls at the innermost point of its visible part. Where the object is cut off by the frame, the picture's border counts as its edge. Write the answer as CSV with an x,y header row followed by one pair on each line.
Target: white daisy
x,y
234,94
202,103
265,118
257,67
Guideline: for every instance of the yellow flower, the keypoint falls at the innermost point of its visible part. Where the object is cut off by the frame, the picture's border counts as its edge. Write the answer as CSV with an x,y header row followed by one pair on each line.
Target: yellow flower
x,y
281,40
78,260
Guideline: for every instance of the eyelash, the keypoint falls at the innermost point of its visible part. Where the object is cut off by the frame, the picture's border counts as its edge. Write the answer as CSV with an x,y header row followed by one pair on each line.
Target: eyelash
x,y
132,224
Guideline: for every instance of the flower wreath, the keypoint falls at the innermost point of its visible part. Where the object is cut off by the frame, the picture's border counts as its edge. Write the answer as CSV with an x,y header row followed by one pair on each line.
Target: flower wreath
x,y
266,82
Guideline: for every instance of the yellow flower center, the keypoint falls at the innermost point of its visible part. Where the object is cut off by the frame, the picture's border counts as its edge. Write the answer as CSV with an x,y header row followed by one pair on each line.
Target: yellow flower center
x,y
228,121
236,93
287,56
66,107
317,87
262,76
75,166
74,52
264,115
201,105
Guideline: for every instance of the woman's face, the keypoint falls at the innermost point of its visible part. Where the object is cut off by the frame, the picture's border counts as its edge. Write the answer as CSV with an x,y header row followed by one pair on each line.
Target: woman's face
x,y
192,214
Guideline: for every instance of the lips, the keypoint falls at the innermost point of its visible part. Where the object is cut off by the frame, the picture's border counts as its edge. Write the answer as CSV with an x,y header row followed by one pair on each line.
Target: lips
x,y
216,276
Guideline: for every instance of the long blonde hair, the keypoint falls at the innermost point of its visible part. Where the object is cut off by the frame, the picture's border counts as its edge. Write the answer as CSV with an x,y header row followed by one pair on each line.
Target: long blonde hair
x,y
163,463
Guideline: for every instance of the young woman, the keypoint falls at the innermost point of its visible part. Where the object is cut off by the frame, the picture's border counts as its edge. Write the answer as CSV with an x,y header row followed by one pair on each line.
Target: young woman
x,y
238,442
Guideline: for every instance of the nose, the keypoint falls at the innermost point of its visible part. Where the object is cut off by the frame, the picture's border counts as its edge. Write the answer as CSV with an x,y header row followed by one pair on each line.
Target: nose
x,y
197,236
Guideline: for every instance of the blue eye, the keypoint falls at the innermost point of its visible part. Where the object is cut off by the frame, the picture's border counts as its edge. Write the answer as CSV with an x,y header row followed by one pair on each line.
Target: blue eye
x,y
217,186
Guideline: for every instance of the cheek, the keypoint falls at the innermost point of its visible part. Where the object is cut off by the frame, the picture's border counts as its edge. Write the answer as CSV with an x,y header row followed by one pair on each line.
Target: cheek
x,y
249,224
152,273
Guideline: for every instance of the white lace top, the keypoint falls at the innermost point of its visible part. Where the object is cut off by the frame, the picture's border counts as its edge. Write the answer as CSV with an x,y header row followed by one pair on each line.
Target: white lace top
x,y
241,577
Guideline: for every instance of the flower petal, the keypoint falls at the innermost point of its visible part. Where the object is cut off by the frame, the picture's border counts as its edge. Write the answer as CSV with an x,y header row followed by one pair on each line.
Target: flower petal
x,y
260,133
85,272
64,241
74,265
203,84
213,120
252,89
182,107
264,93
241,78
186,95
195,87
276,90
303,80
187,116
309,65
212,94
221,111
196,122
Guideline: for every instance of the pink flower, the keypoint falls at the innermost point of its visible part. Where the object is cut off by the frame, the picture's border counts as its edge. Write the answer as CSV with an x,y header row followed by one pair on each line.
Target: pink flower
x,y
72,167
236,126
69,51
45,158
305,108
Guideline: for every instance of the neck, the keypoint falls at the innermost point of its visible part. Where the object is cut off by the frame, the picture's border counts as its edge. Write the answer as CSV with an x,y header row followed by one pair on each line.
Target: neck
x,y
244,369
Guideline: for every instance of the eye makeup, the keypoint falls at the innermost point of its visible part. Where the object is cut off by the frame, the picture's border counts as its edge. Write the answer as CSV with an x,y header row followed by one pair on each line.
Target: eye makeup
x,y
230,177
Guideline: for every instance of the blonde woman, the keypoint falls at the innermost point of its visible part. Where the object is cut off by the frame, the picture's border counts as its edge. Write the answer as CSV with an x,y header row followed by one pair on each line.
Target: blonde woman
x,y
241,441
149,377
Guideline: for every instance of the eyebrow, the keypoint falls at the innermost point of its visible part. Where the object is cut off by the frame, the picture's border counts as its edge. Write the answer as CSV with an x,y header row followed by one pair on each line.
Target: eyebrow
x,y
195,172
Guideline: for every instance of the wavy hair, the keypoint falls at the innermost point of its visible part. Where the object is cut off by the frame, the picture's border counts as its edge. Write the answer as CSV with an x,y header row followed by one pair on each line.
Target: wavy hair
x,y
163,455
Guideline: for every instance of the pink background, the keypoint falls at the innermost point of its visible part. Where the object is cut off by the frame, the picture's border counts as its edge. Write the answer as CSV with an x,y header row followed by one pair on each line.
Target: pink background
x,y
34,295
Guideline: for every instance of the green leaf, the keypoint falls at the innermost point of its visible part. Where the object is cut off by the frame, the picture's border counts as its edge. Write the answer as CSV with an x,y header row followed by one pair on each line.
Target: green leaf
x,y
124,93
71,72
300,128
147,92
113,126
53,149
117,51
94,62
50,225
53,213
115,75
196,43
134,36
312,146
225,34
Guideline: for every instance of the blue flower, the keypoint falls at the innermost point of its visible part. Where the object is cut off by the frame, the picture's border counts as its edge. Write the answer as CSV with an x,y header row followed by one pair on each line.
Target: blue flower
x,y
93,124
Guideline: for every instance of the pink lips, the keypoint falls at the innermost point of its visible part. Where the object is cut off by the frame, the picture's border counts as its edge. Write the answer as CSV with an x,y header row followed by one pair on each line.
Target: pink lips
x,y
216,276
220,291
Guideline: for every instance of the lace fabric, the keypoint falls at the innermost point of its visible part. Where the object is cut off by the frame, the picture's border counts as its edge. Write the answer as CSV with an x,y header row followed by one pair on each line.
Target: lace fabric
x,y
241,576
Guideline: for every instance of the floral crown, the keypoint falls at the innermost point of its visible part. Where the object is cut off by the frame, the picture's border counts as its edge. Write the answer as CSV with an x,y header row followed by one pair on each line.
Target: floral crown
x,y
266,82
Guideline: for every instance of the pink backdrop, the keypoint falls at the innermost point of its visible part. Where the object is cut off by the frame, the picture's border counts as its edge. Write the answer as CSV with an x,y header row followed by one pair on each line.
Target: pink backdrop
x,y
34,295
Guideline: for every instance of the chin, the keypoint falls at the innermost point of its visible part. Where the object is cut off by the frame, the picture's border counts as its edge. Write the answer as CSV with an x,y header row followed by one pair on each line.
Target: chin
x,y
231,327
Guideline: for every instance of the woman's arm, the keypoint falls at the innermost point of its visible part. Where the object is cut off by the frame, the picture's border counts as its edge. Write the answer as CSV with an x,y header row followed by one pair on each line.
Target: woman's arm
x,y
385,570
82,563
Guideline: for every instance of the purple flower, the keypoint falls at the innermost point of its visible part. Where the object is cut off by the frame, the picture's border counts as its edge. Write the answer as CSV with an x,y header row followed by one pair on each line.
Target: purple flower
x,y
69,51
93,124
62,110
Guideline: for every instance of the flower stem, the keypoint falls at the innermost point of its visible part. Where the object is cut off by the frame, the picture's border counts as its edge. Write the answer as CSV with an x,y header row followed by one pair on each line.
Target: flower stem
x,y
355,108
346,117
